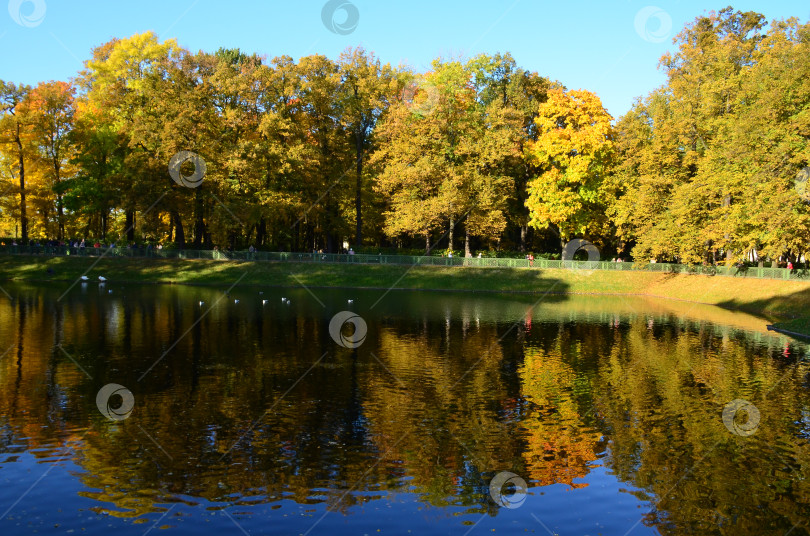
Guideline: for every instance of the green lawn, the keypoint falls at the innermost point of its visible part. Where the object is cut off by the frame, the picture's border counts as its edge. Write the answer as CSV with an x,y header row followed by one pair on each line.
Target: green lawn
x,y
797,325
772,299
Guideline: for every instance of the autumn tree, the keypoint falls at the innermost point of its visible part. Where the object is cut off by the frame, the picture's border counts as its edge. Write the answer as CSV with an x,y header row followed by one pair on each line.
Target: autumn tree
x,y
707,162
312,153
123,81
442,152
92,193
327,154
516,93
574,150
367,89
51,110
16,141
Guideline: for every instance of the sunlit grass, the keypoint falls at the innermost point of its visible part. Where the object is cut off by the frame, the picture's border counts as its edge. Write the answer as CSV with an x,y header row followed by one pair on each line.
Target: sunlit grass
x,y
770,298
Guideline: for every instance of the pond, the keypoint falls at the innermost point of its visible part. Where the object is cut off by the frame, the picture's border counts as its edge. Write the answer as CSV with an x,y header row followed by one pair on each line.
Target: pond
x,y
127,409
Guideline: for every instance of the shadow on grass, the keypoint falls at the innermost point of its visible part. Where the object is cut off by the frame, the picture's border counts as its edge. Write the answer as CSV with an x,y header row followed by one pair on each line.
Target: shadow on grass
x,y
789,306
282,274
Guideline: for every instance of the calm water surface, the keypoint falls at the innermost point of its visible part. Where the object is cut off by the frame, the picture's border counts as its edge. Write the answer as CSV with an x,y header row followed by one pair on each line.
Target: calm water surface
x,y
250,418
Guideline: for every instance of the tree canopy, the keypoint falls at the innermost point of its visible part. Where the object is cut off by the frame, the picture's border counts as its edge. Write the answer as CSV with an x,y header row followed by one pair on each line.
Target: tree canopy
x,y
479,153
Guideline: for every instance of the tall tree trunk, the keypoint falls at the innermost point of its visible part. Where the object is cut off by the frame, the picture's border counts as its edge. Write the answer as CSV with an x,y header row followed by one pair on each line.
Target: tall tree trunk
x,y
23,215
60,217
556,230
467,252
523,230
130,225
427,241
727,202
261,231
308,240
199,223
179,235
60,213
331,218
450,235
358,196
521,195
45,213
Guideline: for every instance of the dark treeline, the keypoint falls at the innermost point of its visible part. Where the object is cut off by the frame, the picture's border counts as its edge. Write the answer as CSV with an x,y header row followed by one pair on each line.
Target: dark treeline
x,y
473,155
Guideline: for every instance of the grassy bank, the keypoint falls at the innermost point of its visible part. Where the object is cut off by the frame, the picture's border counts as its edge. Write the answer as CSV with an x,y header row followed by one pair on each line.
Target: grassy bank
x,y
772,299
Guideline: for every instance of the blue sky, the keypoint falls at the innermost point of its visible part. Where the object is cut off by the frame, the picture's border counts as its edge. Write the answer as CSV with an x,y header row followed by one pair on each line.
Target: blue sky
x,y
611,48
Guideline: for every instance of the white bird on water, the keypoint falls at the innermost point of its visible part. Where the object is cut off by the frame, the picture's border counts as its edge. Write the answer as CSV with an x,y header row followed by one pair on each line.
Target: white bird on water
x,y
351,301
102,278
235,301
288,302
84,278
283,299
201,303
264,302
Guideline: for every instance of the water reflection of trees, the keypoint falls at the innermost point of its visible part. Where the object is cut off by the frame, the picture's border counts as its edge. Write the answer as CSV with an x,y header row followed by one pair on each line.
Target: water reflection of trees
x,y
667,391
560,445
435,404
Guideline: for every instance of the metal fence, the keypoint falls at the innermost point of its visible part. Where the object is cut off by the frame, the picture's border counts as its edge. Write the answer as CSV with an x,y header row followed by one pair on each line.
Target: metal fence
x,y
408,260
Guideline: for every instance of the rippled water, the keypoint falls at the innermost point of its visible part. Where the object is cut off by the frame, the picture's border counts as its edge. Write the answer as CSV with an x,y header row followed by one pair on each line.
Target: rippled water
x,y
252,418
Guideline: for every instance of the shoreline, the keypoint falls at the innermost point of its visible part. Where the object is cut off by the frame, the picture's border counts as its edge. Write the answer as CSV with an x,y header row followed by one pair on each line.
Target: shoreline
x,y
795,334
390,289
772,299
